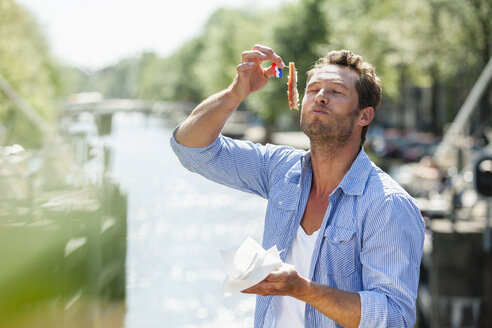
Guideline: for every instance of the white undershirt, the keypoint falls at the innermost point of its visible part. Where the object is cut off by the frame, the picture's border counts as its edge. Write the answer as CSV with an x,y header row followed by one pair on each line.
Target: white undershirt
x,y
289,311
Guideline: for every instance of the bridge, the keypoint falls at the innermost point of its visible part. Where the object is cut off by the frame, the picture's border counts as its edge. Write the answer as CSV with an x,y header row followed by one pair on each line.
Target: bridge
x,y
173,111
111,106
104,109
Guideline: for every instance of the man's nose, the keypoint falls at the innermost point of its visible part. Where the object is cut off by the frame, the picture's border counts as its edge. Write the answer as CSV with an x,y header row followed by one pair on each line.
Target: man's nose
x,y
321,97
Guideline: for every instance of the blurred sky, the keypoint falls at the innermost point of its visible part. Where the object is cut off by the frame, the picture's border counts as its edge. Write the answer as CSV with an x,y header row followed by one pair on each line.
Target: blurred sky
x,y
92,34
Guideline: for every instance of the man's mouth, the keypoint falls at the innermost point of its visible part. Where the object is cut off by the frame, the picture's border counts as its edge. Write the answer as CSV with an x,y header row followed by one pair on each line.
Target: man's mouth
x,y
319,110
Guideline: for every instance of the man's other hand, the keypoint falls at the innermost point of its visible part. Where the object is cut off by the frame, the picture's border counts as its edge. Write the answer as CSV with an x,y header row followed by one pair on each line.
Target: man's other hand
x,y
284,281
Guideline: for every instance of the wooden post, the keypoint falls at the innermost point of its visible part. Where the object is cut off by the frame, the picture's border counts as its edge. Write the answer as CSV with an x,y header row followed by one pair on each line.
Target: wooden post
x,y
457,273
104,124
486,313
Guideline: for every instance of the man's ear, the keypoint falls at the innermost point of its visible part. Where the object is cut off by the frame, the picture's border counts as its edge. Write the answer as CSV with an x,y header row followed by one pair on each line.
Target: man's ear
x,y
366,115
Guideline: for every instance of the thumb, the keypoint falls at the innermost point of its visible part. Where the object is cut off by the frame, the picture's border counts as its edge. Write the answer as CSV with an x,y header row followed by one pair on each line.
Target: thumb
x,y
245,69
244,72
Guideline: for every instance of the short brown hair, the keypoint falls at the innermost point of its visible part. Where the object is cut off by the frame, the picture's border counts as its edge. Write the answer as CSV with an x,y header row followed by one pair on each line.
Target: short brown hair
x,y
368,85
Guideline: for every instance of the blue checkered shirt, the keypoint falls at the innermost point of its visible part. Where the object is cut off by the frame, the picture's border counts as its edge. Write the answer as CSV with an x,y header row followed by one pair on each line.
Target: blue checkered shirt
x,y
371,238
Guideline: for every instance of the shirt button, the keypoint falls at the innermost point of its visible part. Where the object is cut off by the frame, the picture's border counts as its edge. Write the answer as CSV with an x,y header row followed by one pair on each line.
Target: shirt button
x,y
280,202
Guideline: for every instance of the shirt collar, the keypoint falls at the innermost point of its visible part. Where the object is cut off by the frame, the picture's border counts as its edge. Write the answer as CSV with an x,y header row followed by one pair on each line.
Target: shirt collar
x,y
306,161
300,169
355,180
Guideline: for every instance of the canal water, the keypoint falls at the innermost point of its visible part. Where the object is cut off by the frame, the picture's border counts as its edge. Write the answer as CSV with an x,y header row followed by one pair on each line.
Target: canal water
x,y
177,223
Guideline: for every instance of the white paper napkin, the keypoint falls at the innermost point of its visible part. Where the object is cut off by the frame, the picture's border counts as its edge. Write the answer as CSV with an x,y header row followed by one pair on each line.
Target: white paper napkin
x,y
249,265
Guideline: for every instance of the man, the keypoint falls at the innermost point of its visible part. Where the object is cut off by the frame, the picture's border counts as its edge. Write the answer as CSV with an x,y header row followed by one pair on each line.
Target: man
x,y
354,235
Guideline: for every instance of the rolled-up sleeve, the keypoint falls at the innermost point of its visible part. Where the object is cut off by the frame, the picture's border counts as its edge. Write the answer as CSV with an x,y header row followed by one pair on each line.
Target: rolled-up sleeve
x,y
238,164
391,252
195,157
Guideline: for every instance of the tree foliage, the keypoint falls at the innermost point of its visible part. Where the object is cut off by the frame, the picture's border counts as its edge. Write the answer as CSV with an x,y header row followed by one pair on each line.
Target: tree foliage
x,y
26,62
300,35
421,44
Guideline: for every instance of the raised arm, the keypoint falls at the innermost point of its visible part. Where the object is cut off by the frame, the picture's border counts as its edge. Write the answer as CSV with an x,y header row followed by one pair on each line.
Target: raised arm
x,y
206,121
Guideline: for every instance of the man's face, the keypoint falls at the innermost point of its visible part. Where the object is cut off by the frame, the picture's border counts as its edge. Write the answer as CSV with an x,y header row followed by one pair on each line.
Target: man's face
x,y
330,105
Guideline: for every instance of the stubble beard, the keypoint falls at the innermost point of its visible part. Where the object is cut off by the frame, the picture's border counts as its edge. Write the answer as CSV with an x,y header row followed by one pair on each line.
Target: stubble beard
x,y
334,133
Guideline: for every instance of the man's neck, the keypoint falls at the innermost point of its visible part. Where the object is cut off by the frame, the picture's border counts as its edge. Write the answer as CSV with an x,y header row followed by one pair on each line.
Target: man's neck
x,y
330,164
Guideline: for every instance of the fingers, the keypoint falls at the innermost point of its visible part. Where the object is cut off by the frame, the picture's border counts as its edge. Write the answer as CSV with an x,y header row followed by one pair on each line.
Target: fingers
x,y
251,76
260,54
254,56
271,55
245,66
284,281
263,288
285,272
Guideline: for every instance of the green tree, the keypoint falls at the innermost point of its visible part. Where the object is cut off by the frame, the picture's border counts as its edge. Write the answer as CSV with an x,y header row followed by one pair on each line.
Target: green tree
x,y
182,82
437,44
26,62
300,35
227,34
463,48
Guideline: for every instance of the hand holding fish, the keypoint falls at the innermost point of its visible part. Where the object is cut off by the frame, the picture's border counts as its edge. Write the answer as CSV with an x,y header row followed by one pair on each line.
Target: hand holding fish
x,y
251,76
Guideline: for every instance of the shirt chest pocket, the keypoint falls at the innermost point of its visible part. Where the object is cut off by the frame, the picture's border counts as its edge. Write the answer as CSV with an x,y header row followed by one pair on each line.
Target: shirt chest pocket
x,y
339,250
